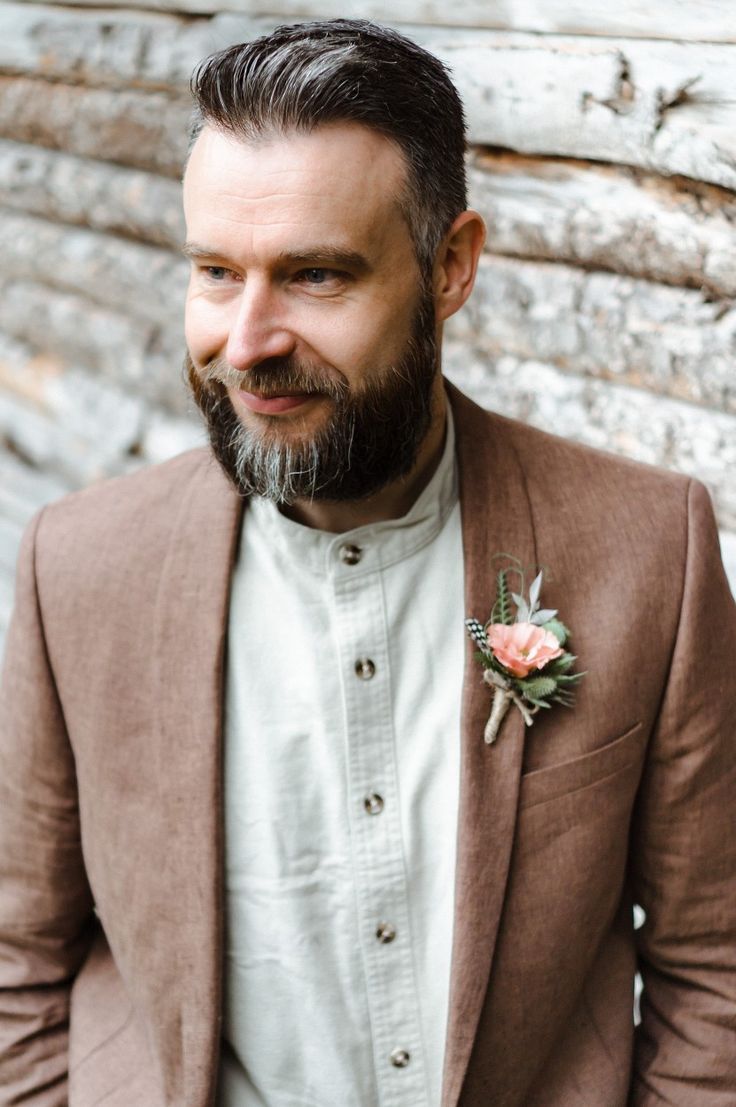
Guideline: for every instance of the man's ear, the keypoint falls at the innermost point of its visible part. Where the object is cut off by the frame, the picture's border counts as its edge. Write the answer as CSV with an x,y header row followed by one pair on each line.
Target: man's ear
x,y
457,263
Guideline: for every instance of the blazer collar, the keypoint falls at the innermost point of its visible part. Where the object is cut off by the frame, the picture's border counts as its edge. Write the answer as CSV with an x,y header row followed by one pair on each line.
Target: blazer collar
x,y
496,518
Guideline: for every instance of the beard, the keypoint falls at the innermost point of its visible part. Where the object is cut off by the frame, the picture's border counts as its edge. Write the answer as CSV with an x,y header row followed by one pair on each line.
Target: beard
x,y
372,436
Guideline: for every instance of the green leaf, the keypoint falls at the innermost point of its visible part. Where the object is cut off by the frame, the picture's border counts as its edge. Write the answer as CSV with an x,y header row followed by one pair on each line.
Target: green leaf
x,y
539,687
502,607
523,614
539,618
534,590
570,678
560,665
558,628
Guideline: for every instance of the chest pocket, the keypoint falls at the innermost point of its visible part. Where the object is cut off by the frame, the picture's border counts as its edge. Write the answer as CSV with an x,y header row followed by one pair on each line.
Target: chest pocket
x,y
544,785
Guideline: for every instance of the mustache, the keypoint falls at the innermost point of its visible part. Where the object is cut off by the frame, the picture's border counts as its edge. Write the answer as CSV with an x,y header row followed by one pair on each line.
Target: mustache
x,y
275,377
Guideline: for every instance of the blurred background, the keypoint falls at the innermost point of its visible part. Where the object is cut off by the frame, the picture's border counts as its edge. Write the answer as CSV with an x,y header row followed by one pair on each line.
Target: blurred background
x,y
603,156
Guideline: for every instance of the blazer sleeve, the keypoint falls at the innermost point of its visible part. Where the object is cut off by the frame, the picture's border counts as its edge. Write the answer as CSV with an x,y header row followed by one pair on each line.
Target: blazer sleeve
x,y
684,848
45,901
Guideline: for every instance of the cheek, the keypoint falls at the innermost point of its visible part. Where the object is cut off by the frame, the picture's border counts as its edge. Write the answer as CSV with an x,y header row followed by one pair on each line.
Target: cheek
x,y
206,327
339,338
372,337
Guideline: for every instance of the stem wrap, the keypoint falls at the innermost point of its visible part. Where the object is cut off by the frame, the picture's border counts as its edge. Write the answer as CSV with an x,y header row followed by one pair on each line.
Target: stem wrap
x,y
503,695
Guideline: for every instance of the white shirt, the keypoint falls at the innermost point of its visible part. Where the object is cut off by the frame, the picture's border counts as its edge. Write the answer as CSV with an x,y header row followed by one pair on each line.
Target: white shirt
x,y
342,753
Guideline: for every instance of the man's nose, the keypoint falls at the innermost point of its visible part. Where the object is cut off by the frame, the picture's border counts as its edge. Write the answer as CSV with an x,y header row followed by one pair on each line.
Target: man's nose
x,y
259,331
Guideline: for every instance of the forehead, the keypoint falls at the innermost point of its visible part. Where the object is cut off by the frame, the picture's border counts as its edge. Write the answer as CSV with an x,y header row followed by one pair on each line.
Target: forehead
x,y
339,180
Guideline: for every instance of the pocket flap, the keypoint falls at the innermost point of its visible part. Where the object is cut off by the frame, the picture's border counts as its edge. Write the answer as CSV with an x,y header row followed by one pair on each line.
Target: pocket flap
x,y
542,785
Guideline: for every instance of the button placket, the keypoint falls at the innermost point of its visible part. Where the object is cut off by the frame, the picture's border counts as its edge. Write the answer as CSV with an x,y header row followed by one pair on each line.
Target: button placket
x,y
381,891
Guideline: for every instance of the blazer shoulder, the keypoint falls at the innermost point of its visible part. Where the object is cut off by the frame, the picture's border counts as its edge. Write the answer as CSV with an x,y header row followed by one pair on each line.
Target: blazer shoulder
x,y
119,528
613,502
146,498
593,513
551,459
570,473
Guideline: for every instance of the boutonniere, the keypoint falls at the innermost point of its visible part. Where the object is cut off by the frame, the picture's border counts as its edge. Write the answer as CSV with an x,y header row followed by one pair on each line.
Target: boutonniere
x,y
521,650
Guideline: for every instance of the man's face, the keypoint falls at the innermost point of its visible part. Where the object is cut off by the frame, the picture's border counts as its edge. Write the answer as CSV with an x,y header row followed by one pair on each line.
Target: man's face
x,y
312,349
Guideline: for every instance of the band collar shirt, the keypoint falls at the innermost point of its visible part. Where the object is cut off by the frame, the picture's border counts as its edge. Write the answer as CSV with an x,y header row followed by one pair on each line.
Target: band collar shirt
x,y
341,777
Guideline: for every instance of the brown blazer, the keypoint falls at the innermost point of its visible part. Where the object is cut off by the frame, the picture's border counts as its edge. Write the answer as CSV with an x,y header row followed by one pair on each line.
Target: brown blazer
x,y
110,794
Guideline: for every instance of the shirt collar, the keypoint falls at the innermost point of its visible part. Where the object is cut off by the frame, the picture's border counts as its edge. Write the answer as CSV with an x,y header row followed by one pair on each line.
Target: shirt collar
x,y
378,545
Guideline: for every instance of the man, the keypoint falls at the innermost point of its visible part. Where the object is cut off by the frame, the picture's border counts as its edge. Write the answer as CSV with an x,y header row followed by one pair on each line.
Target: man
x,y
292,871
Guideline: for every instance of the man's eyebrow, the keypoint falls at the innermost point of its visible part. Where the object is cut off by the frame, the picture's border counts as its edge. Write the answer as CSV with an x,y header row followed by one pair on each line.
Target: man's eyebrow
x,y
317,257
194,250
320,257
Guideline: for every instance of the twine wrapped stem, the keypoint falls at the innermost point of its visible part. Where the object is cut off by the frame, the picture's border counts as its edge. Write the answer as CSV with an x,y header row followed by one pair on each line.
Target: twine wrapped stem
x,y
503,695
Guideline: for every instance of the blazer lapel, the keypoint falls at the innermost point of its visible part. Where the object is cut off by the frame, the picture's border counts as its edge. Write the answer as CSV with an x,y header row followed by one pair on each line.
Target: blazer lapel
x,y
190,628
496,518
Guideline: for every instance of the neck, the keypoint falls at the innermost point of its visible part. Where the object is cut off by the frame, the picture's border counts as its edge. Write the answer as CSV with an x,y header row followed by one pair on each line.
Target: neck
x,y
391,502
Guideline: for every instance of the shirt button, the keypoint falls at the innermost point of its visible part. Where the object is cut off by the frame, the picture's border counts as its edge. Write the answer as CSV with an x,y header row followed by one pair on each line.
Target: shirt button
x,y
373,804
364,668
385,933
399,1058
349,554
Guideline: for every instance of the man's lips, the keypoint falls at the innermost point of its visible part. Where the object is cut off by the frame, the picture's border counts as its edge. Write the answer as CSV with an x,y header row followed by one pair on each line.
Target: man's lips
x,y
273,405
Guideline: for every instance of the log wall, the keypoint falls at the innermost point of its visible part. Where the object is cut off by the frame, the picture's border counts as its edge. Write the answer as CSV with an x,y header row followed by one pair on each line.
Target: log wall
x,y
603,158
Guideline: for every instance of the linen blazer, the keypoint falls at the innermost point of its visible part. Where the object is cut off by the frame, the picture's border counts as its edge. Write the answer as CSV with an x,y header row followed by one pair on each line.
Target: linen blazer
x,y
111,836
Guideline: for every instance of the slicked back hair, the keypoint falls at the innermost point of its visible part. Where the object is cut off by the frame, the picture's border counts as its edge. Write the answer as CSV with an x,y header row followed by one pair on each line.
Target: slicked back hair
x,y
341,71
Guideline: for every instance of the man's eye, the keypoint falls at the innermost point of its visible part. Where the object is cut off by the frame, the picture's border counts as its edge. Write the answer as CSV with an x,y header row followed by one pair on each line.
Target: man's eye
x,y
315,276
215,272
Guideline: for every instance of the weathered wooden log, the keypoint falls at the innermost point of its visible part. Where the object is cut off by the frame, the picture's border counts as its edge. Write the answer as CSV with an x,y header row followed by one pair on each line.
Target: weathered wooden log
x,y
663,106
607,217
146,130
23,490
73,331
668,107
113,49
60,186
687,20
143,282
97,427
671,341
78,453
616,417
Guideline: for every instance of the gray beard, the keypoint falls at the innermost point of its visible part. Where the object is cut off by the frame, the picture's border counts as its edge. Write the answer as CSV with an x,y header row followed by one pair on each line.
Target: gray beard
x,y
282,474
371,439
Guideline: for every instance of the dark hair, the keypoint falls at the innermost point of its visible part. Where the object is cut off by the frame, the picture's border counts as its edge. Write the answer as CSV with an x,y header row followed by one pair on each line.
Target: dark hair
x,y
348,70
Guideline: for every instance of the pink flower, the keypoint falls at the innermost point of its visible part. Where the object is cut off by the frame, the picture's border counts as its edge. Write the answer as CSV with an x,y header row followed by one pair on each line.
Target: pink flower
x,y
522,647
